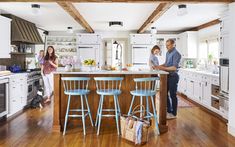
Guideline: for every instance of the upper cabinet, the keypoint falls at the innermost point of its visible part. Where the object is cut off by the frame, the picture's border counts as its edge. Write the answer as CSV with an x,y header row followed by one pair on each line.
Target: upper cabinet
x,y
88,39
187,44
224,36
5,37
141,39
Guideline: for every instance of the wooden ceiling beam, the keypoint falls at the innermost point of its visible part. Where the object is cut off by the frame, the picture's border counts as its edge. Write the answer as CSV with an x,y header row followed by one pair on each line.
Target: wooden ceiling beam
x,y
205,25
157,13
72,11
128,1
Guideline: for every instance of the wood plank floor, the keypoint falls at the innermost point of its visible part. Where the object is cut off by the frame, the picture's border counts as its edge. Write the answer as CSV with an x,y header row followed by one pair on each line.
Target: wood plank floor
x,y
193,127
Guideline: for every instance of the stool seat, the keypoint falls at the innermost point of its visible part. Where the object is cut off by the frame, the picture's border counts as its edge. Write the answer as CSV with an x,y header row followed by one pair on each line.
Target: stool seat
x,y
77,92
143,92
108,92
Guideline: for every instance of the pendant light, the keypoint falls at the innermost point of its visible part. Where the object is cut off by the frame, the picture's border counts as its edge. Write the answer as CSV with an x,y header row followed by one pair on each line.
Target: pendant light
x,y
182,10
70,30
35,9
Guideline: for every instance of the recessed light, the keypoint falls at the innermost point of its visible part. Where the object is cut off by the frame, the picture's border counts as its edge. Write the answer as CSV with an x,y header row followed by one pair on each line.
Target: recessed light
x,y
35,9
182,10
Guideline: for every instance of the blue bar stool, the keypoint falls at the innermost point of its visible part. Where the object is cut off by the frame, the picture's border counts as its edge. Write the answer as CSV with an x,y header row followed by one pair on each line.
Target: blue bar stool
x,y
77,86
146,87
108,86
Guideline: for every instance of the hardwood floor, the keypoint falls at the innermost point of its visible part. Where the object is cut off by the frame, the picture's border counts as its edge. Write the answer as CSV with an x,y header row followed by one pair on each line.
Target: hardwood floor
x,y
193,127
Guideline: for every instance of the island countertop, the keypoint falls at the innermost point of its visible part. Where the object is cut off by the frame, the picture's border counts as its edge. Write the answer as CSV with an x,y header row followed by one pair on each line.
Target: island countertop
x,y
114,72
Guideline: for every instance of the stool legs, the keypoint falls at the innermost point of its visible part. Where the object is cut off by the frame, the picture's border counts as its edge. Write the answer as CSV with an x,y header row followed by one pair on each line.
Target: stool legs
x,y
100,114
132,101
116,113
147,107
89,112
83,116
66,116
155,115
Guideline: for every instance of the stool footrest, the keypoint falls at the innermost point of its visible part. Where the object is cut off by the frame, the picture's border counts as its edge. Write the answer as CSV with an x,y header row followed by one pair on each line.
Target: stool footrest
x,y
77,110
77,115
108,115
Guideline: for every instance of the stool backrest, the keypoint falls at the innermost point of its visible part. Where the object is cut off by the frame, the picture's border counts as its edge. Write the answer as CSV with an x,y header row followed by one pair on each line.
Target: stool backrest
x,y
113,83
74,83
146,83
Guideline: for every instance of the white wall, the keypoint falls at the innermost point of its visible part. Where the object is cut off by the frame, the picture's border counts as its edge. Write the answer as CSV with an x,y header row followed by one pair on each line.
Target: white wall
x,y
231,119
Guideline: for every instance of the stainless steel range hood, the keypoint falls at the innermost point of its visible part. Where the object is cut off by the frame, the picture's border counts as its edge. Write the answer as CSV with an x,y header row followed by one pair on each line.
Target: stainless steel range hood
x,y
23,31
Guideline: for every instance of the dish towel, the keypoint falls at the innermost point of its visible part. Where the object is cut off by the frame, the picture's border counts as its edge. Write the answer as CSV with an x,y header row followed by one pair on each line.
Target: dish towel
x,y
138,132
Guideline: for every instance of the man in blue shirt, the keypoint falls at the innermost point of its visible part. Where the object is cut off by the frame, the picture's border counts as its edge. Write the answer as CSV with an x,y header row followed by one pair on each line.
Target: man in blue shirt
x,y
171,65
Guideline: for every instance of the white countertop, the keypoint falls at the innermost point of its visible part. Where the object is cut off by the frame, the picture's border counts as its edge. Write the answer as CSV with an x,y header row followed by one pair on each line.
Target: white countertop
x,y
200,72
62,71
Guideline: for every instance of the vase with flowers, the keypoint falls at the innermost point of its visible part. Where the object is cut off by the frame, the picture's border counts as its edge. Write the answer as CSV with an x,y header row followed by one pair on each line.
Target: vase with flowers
x,y
89,63
69,62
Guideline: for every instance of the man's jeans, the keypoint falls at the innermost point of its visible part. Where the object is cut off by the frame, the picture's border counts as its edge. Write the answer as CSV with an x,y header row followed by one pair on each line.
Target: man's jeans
x,y
172,101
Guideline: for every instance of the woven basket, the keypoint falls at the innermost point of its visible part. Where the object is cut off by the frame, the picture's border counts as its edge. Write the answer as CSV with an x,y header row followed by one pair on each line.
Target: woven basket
x,y
128,126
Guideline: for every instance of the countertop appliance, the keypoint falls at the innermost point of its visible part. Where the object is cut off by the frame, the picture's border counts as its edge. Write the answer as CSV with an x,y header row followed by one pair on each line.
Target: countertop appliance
x,y
4,93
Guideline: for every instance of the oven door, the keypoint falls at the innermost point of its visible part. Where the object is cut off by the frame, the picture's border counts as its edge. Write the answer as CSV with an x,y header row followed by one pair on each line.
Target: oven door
x,y
4,89
30,91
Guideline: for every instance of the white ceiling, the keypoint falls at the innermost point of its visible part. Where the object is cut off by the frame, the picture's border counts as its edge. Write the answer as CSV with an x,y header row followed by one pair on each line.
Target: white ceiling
x,y
197,14
54,18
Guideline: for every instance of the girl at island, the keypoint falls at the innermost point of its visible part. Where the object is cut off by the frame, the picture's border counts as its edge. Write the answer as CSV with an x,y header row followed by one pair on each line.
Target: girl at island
x,y
49,65
153,59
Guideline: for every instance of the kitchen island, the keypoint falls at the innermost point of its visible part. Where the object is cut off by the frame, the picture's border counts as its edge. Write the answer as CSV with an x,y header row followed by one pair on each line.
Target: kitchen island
x,y
60,99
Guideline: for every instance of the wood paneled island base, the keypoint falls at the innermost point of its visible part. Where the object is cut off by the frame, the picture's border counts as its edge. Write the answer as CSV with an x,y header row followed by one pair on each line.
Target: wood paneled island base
x,y
60,99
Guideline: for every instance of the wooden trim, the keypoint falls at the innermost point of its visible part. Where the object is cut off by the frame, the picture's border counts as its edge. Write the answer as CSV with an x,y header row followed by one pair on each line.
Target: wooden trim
x,y
206,25
127,1
72,11
56,111
204,108
157,13
162,104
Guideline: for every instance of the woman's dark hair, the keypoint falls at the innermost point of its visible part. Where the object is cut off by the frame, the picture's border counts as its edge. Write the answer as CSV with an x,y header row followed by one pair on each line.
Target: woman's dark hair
x,y
53,56
155,47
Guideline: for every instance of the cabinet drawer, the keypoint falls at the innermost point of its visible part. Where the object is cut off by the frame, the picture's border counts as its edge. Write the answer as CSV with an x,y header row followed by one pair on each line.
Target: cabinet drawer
x,y
215,81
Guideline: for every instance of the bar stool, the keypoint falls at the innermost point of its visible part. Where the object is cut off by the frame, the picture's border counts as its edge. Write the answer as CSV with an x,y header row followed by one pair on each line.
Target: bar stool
x,y
77,86
146,87
108,86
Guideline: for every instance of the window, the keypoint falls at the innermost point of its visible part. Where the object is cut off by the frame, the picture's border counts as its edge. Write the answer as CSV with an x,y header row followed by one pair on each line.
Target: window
x,y
213,49
209,48
202,54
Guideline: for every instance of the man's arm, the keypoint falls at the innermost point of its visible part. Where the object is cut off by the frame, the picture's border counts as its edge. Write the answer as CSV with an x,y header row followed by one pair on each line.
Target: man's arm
x,y
176,61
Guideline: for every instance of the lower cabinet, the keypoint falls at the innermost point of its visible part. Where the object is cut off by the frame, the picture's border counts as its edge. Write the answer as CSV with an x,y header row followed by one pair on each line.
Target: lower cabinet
x,y
17,93
198,87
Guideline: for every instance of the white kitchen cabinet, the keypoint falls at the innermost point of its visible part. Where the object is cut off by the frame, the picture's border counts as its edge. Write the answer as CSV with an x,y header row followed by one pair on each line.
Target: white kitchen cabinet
x,y
190,88
206,98
224,46
5,37
88,39
89,52
142,39
197,91
140,55
187,44
17,93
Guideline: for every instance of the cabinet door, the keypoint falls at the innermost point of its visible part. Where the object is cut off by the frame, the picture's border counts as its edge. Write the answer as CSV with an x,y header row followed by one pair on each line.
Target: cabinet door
x,y
88,52
190,88
88,39
206,98
197,90
224,46
141,39
5,37
140,55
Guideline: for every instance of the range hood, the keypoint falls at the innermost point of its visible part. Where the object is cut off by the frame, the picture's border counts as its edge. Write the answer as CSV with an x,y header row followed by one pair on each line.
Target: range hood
x,y
23,31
